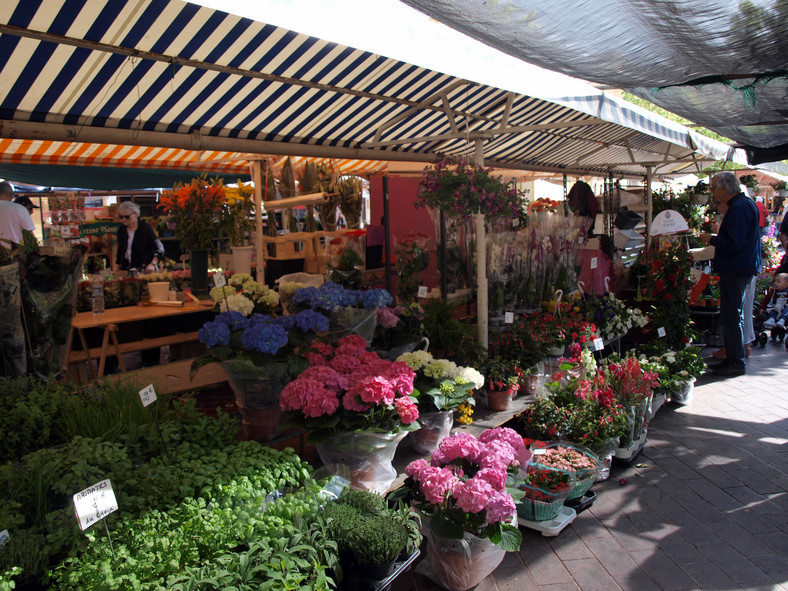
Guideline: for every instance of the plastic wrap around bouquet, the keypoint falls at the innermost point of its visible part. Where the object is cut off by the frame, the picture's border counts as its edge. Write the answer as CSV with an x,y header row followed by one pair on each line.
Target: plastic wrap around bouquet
x,y
545,490
435,426
467,495
576,460
366,455
350,311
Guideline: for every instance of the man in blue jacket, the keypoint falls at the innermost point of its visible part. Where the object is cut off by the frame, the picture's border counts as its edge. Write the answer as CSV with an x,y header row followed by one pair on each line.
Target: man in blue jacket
x,y
737,259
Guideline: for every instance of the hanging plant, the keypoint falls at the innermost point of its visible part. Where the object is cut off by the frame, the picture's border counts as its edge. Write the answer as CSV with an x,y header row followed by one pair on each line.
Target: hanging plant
x,y
459,187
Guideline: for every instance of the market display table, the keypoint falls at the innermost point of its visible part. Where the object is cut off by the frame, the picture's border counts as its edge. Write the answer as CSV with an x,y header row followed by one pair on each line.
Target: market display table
x,y
109,321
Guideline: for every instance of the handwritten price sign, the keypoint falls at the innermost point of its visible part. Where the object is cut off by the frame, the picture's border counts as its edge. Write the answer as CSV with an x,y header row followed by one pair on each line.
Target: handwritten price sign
x,y
94,503
148,395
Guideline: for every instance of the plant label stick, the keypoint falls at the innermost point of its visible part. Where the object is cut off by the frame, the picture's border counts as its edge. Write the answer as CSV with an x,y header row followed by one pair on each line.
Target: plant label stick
x,y
599,344
422,291
94,503
219,280
4,537
661,332
594,263
508,318
148,395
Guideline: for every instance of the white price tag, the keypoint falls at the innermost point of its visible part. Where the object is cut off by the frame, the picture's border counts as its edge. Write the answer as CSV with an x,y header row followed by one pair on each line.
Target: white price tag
x,y
661,332
508,318
219,280
148,395
94,503
540,451
594,263
422,291
515,223
580,240
599,344
4,537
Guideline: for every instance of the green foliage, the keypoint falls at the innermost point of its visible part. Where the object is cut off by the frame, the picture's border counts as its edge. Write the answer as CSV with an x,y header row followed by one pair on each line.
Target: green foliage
x,y
443,330
378,539
26,551
6,582
367,502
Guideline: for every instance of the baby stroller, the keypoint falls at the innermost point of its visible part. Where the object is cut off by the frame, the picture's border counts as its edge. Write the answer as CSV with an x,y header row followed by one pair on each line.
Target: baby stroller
x,y
762,334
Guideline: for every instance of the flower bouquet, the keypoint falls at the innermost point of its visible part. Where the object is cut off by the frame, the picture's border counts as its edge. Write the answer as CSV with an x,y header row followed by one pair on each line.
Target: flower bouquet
x,y
259,354
398,330
441,388
350,311
632,385
195,207
356,406
245,295
467,492
545,490
576,460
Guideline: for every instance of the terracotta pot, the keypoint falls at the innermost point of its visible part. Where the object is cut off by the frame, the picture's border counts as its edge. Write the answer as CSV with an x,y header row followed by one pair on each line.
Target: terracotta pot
x,y
499,400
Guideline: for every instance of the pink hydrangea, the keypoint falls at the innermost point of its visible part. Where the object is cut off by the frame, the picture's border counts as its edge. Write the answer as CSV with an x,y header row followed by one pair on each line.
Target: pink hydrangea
x,y
496,478
351,344
330,378
369,357
296,394
415,467
458,446
351,403
316,359
498,455
401,377
500,507
387,318
374,390
436,483
344,363
505,434
472,495
321,402
408,412
324,349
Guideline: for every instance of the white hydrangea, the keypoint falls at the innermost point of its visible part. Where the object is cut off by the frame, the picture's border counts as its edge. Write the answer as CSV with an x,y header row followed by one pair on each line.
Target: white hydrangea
x,y
237,303
219,293
471,377
416,360
437,368
269,298
240,279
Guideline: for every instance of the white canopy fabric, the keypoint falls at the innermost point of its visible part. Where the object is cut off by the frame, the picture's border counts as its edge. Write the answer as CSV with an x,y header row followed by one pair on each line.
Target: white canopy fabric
x,y
172,74
719,63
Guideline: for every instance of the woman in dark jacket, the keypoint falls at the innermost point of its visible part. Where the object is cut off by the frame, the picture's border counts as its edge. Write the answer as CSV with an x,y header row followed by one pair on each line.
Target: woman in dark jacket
x,y
145,250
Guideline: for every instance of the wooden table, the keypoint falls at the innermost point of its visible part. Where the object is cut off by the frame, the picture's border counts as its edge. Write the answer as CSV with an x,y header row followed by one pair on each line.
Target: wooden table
x,y
109,321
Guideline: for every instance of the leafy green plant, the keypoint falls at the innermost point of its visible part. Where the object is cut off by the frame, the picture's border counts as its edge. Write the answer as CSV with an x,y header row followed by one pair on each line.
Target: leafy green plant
x,y
25,550
6,577
378,539
443,330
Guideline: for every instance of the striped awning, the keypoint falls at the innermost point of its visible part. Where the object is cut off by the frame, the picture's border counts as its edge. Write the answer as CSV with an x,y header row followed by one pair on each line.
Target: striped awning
x,y
168,84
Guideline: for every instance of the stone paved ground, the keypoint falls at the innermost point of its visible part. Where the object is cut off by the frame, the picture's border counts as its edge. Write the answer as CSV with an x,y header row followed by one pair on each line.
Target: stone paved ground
x,y
704,506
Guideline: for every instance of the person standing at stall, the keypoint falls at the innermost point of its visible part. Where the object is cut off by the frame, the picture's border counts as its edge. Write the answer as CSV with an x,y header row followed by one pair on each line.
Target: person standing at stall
x,y
737,258
138,246
13,217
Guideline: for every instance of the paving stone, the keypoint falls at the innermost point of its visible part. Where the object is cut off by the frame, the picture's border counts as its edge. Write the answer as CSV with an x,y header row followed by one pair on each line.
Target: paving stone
x,y
666,573
588,527
776,540
708,576
681,551
544,565
590,575
736,566
638,580
560,587
752,521
568,546
612,555
774,565
514,579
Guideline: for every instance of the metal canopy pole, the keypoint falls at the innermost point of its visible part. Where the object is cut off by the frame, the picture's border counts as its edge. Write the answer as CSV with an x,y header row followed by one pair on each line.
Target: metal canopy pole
x,y
257,179
650,206
481,261
387,232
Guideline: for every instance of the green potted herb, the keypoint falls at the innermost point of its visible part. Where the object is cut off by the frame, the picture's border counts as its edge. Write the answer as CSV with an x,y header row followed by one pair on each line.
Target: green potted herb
x,y
781,187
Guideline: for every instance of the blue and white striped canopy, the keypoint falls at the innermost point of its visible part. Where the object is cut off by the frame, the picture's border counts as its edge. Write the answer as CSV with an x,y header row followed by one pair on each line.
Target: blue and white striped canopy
x,y
172,74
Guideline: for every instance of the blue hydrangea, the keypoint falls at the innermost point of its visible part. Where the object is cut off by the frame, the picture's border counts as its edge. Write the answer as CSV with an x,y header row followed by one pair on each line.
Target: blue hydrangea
x,y
304,296
309,320
375,298
233,320
214,333
286,322
265,337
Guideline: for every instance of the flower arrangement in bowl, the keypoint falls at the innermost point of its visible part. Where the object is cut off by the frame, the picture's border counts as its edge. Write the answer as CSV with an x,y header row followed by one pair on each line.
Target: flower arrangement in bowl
x,y
544,491
576,460
459,187
245,295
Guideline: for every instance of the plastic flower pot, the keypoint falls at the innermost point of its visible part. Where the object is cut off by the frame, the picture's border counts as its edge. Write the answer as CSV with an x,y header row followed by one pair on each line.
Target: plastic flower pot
x,y
533,510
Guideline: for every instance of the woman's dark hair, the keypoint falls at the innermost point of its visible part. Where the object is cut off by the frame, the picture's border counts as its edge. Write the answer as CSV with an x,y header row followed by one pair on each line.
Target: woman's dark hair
x,y
578,198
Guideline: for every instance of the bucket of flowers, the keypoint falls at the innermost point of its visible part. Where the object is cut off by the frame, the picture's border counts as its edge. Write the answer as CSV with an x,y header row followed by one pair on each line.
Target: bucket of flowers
x,y
356,406
467,494
441,388
577,460
245,295
545,490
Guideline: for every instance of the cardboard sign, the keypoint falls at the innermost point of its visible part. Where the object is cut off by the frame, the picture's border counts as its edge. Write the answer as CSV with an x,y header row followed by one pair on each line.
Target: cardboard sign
x,y
599,344
94,503
148,395
422,291
661,332
219,280
508,318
